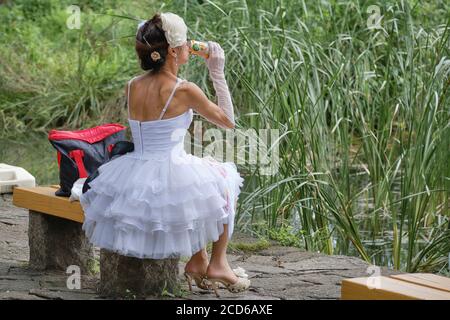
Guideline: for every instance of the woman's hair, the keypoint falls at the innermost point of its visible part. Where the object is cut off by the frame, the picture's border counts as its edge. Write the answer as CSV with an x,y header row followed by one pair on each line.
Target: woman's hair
x,y
150,37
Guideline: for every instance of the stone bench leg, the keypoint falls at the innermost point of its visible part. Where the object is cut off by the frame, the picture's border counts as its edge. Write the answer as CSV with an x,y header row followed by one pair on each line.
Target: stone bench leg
x,y
57,243
121,275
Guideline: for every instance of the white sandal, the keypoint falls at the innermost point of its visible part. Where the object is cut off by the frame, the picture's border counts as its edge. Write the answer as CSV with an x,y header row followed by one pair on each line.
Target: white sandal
x,y
242,284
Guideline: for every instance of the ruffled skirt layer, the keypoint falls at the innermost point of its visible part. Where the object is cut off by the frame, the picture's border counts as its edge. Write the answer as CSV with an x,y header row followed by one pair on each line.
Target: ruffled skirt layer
x,y
150,207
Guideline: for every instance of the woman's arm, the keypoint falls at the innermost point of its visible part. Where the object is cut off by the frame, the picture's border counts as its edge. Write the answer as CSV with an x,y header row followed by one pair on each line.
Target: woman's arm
x,y
216,64
197,100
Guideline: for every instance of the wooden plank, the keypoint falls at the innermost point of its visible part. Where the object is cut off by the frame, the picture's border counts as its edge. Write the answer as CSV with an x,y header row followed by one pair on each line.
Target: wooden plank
x,y
388,289
43,199
426,279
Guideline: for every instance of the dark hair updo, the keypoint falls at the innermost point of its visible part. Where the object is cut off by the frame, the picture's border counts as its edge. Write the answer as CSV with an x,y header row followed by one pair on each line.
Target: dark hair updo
x,y
150,39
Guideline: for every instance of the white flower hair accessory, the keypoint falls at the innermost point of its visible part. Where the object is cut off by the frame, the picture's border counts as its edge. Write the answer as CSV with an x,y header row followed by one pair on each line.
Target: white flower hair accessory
x,y
174,28
155,56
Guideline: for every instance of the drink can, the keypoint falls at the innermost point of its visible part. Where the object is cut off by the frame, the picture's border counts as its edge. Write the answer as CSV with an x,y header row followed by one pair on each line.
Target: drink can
x,y
199,48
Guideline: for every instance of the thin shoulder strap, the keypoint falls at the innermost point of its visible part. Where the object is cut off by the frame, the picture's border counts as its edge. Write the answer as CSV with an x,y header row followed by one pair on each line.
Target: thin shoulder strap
x,y
128,98
170,98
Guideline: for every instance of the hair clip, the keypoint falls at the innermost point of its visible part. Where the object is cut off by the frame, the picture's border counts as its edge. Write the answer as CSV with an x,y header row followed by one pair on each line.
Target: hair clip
x,y
155,56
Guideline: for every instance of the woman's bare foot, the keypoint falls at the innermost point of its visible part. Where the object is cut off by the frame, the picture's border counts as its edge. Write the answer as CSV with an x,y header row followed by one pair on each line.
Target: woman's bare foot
x,y
198,263
221,270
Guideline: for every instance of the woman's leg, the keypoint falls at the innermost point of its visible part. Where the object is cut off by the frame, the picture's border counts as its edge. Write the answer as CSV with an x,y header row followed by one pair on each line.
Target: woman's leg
x,y
198,262
218,265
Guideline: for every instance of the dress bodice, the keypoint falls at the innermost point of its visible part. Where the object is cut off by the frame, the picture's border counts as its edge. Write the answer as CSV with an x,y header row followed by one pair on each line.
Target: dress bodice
x,y
159,136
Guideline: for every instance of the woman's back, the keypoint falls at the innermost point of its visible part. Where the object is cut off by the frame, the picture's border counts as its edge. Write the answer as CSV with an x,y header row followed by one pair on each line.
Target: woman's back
x,y
147,96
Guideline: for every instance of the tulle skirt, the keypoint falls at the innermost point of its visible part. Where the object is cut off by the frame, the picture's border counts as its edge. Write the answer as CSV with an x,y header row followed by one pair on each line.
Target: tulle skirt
x,y
160,206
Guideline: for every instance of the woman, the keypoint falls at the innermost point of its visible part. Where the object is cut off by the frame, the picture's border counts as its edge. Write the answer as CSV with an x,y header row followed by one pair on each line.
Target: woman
x,y
159,201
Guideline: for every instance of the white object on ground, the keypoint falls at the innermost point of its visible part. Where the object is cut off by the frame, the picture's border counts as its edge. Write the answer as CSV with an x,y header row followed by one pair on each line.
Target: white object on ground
x,y
12,176
240,272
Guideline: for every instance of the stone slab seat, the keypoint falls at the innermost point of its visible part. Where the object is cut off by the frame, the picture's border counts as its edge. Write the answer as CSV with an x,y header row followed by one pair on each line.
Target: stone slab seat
x,y
56,241
412,286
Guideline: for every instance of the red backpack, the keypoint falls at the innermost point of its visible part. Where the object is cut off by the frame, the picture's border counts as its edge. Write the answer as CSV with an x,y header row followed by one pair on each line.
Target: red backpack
x,y
81,152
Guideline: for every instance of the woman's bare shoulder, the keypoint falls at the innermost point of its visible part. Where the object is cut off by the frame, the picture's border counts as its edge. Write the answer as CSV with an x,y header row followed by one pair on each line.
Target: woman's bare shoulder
x,y
134,81
190,88
192,95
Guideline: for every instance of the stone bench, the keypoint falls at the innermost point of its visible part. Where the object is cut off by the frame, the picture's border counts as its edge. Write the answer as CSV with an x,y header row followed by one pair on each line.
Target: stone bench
x,y
56,241
417,286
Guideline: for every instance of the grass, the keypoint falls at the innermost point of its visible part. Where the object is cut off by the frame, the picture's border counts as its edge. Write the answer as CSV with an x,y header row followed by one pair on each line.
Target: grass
x,y
95,266
363,113
246,247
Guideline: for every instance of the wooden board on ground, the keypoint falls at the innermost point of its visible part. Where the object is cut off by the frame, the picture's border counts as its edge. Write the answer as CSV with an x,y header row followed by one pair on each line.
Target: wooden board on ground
x,y
43,199
389,288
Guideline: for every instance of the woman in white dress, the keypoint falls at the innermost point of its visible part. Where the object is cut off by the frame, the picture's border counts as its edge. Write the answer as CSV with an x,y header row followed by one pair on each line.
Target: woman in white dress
x,y
159,201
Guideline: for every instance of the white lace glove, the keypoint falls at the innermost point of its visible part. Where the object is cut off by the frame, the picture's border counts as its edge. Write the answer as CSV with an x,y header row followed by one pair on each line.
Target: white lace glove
x,y
215,64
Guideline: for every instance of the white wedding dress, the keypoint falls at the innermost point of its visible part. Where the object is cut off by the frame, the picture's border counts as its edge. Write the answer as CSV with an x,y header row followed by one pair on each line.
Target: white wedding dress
x,y
159,201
